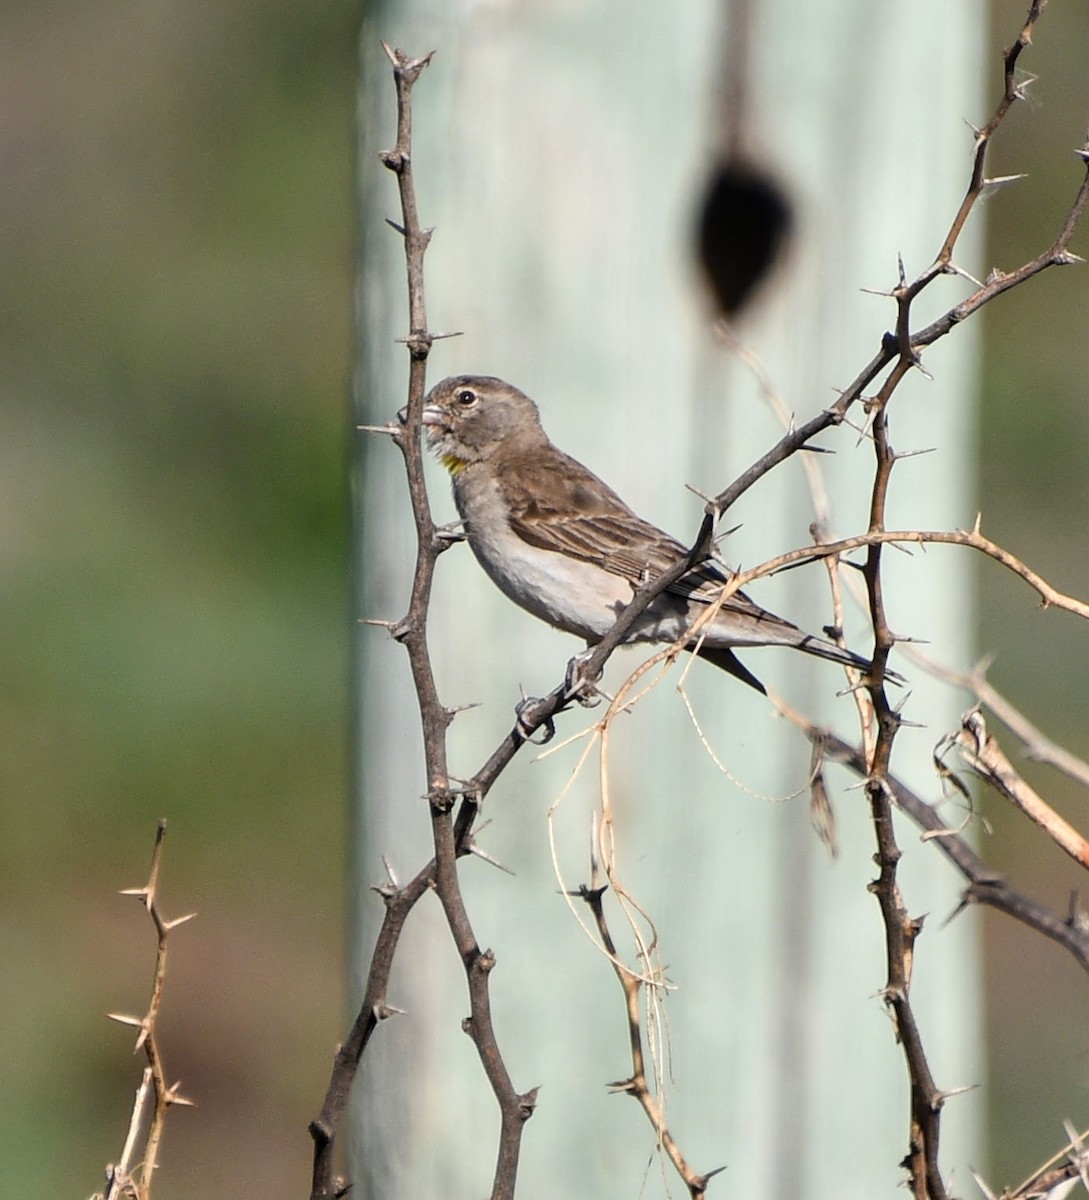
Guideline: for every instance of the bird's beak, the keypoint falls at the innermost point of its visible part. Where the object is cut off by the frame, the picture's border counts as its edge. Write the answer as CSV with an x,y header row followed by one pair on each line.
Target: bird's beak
x,y
432,415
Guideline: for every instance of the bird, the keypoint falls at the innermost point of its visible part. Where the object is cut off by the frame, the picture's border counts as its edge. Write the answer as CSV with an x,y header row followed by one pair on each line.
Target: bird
x,y
561,544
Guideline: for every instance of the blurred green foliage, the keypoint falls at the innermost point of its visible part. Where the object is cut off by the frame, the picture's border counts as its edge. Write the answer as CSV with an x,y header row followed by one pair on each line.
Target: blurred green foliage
x,y
177,272
177,252
1034,498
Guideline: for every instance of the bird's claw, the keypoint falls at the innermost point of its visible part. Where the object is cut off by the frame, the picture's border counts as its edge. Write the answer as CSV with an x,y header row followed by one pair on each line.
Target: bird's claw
x,y
449,535
528,721
577,685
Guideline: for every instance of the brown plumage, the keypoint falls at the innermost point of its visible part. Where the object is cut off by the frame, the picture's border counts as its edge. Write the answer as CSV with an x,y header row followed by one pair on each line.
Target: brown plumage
x,y
562,544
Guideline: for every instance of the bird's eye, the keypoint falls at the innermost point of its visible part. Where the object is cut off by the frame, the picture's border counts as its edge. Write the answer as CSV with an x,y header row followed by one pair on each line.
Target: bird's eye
x,y
466,398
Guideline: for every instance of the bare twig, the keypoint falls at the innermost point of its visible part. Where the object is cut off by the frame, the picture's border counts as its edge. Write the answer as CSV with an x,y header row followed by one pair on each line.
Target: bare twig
x,y
637,1084
985,885
1012,91
451,836
374,1009
925,1178
1068,1164
982,754
1036,745
901,350
903,344
130,1177
1050,596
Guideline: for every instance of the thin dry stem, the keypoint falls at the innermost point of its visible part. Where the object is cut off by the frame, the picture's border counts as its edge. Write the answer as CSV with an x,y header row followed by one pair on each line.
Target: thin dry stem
x,y
1035,744
981,753
1067,1164
154,1096
1050,596
985,886
637,1084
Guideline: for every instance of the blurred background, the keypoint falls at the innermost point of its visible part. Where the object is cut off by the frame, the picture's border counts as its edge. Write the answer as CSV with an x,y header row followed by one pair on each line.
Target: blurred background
x,y
178,240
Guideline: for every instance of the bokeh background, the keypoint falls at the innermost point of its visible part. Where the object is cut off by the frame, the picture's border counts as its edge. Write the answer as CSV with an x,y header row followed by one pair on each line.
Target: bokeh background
x,y
176,273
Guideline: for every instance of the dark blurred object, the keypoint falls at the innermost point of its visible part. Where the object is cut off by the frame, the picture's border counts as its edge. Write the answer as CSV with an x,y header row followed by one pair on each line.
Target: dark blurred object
x,y
745,216
742,225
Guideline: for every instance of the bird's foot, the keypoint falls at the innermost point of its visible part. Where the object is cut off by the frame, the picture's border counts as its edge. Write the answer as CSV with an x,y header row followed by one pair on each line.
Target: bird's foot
x,y
446,536
528,720
577,684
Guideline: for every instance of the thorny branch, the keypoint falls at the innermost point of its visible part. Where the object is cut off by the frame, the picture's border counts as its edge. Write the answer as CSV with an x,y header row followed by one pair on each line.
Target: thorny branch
x,y
1070,1163
374,1009
132,1176
637,1084
985,886
1035,744
1050,596
451,838
904,344
902,350
981,753
898,354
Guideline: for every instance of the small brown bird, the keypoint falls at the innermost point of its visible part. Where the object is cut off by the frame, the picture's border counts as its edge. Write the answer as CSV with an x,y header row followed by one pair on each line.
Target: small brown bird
x,y
562,544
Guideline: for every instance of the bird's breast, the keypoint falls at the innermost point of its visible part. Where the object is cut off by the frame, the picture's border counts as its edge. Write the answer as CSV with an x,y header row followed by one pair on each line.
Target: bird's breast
x,y
575,596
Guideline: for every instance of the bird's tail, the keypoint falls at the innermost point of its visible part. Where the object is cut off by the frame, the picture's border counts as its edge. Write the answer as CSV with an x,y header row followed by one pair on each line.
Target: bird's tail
x,y
726,660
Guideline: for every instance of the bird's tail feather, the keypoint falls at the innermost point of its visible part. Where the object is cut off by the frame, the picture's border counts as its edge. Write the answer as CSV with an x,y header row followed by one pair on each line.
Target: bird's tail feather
x,y
726,660
819,648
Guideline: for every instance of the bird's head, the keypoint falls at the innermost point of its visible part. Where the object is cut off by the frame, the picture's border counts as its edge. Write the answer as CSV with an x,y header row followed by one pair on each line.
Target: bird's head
x,y
467,418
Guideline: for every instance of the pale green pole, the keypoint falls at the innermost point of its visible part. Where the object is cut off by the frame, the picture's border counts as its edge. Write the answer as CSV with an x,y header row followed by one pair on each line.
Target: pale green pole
x,y
559,151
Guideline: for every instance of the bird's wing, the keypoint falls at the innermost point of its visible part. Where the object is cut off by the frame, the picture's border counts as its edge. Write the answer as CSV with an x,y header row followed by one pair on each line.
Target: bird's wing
x,y
560,505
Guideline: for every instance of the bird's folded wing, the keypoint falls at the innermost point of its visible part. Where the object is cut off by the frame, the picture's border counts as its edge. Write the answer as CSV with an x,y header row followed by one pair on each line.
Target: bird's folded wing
x,y
570,511
573,512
